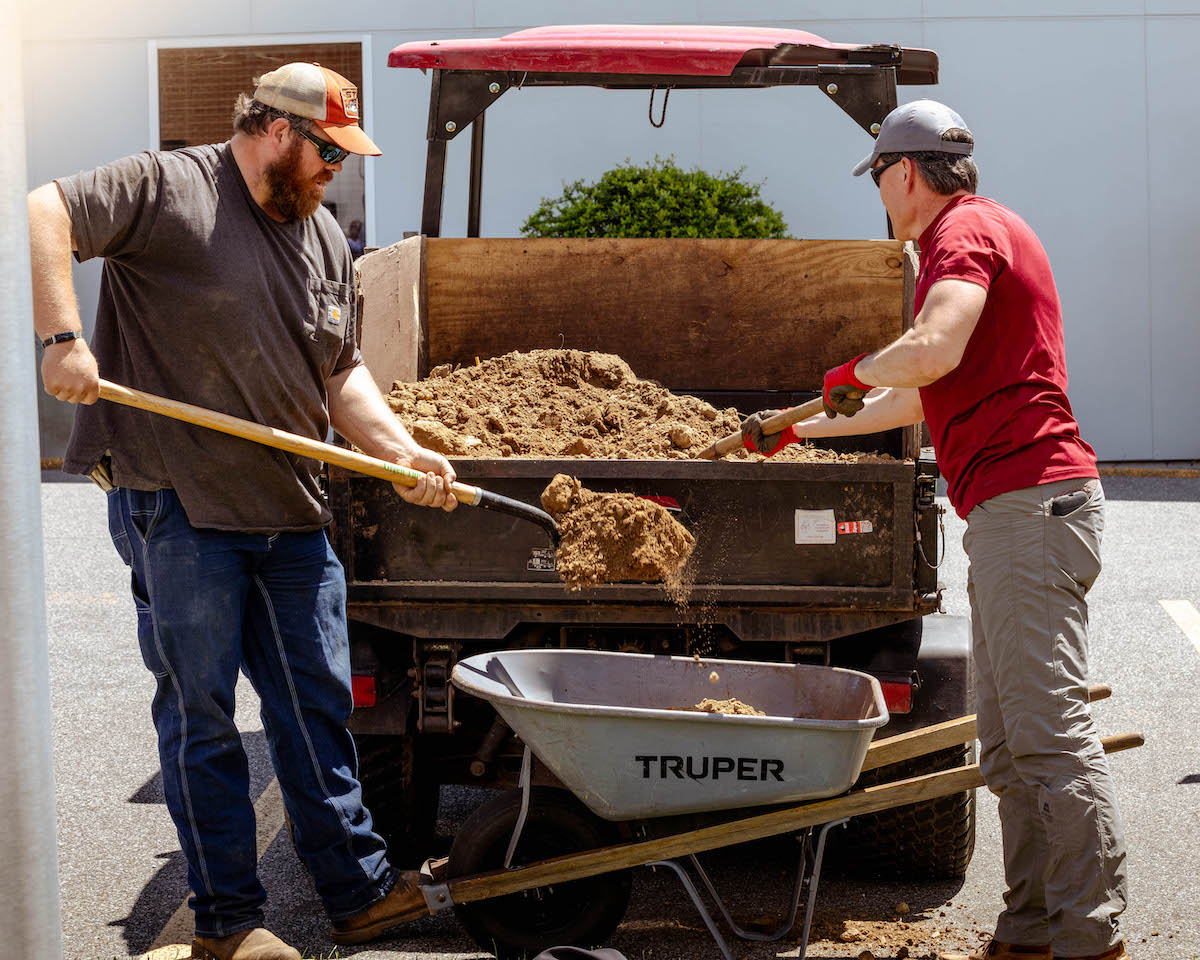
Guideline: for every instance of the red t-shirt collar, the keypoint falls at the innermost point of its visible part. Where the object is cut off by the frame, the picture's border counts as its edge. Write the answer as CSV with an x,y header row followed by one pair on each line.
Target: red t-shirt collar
x,y
926,236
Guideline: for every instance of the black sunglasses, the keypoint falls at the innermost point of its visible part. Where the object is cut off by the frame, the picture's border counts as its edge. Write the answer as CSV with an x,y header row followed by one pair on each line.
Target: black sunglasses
x,y
329,152
877,172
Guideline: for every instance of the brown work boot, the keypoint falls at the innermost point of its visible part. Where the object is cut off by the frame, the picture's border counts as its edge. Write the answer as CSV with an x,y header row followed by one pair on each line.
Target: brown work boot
x,y
995,950
256,944
403,903
1116,953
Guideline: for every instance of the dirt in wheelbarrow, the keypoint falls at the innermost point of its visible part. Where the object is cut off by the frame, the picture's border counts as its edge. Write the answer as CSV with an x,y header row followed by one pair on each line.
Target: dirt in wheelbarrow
x,y
605,537
569,404
732,707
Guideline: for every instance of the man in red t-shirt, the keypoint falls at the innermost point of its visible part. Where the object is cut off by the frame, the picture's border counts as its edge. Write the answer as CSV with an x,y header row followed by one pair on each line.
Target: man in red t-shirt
x,y
984,366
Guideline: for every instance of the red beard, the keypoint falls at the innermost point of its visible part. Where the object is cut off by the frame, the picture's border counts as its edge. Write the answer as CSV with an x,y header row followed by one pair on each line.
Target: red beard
x,y
295,197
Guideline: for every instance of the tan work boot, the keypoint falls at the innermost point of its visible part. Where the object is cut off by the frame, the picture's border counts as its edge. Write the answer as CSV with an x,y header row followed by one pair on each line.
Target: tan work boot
x,y
403,903
995,950
1116,953
256,944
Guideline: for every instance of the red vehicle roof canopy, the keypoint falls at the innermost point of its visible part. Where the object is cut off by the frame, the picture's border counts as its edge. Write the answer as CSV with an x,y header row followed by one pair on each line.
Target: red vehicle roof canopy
x,y
656,50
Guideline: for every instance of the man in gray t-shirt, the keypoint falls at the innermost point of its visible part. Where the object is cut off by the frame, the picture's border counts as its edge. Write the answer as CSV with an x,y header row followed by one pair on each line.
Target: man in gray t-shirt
x,y
227,284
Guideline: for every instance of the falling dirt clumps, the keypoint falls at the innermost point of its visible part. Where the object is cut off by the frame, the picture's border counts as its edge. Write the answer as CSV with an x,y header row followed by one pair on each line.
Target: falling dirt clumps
x,y
568,403
604,537
732,707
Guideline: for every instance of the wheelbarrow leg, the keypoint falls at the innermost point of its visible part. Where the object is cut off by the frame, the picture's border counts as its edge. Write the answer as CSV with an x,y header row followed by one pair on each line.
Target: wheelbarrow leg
x,y
810,877
526,787
699,904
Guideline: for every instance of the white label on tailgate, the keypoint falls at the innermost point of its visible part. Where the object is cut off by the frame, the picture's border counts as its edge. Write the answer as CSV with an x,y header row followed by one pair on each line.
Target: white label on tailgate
x,y
815,526
541,560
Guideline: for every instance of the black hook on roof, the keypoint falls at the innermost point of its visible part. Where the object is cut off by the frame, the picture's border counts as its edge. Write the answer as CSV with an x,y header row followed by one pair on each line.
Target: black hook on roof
x,y
663,118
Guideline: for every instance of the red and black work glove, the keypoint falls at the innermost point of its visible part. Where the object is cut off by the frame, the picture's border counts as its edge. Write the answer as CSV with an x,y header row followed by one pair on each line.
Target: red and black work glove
x,y
767,444
843,392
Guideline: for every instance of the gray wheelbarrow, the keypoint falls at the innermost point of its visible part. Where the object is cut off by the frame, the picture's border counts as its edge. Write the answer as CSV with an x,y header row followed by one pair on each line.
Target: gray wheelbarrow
x,y
539,867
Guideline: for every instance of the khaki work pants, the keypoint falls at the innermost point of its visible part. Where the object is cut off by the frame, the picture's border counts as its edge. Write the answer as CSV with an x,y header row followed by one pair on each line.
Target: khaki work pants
x,y
1064,846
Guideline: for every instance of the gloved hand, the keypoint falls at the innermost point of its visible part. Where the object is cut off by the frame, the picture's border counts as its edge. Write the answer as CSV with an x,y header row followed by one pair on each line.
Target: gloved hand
x,y
770,444
843,391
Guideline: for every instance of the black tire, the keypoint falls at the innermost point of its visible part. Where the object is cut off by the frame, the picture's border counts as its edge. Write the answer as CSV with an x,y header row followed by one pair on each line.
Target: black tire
x,y
580,913
403,802
931,840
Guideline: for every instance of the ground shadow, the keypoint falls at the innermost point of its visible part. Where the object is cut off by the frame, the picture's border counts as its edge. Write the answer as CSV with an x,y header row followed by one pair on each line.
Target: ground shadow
x,y
161,897
755,881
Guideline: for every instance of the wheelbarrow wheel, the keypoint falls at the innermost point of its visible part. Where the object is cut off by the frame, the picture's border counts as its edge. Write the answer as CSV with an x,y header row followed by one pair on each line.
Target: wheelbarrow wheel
x,y
580,913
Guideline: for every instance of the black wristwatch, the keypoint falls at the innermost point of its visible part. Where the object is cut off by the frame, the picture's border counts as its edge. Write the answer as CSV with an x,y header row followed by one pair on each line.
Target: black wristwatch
x,y
63,337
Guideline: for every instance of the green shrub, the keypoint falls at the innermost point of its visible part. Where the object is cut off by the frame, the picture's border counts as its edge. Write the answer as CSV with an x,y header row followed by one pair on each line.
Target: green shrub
x,y
657,200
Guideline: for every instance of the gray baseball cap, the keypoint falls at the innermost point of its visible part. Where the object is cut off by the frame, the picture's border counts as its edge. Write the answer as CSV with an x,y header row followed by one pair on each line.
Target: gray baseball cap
x,y
916,127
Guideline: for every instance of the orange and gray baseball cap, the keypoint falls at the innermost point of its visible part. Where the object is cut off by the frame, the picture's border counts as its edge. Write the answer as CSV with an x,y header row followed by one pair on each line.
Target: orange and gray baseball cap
x,y
916,127
327,98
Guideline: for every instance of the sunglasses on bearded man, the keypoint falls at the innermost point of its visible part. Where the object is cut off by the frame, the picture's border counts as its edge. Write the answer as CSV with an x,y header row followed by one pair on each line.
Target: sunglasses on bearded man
x,y
329,152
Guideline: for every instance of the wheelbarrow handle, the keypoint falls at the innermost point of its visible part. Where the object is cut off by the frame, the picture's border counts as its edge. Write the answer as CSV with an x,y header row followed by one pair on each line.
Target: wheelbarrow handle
x,y
884,796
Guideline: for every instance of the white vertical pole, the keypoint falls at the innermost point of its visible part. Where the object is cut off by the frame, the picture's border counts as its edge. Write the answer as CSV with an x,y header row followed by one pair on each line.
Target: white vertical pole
x,y
30,916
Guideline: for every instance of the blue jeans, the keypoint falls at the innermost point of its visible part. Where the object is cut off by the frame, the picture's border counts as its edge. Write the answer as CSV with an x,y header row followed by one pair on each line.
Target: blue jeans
x,y
209,603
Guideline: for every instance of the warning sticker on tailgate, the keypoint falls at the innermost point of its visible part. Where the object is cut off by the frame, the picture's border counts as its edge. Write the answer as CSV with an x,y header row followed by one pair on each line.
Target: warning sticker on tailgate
x,y
816,526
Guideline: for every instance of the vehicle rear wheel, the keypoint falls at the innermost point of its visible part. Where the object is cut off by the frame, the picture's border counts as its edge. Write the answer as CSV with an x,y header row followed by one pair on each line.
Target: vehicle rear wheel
x,y
580,913
402,798
931,840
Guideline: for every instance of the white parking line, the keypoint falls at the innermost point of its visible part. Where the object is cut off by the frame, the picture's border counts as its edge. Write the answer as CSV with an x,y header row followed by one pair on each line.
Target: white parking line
x,y
1187,617
268,814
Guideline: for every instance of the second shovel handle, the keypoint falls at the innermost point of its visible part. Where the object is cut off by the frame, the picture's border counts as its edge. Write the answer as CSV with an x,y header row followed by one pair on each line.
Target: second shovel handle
x,y
776,424
786,418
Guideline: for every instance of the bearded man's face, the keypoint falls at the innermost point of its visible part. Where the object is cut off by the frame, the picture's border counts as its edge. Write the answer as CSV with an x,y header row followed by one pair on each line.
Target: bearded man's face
x,y
297,180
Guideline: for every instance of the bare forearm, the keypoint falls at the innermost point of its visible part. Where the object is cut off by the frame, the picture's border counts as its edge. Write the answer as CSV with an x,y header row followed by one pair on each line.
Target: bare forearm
x,y
359,413
885,409
909,361
55,309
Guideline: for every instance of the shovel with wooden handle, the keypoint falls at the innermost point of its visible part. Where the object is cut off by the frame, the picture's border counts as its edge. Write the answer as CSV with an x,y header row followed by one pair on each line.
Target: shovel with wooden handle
x,y
776,424
325,452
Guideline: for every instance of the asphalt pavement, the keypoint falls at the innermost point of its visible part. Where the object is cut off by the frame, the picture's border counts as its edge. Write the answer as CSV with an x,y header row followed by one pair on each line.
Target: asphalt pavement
x,y
123,880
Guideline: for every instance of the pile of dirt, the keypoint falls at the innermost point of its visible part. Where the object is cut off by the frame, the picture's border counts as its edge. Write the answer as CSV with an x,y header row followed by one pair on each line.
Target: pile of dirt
x,y
733,707
567,403
604,537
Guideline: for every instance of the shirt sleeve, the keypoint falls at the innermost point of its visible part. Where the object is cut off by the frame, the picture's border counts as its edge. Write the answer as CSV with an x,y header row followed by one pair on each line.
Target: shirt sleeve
x,y
113,207
969,247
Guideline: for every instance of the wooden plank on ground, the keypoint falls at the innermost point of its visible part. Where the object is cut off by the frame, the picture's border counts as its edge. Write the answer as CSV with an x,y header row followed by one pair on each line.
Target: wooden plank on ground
x,y
693,314
920,742
577,866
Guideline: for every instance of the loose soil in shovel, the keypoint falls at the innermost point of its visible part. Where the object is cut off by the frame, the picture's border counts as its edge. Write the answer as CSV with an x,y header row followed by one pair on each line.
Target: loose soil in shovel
x,y
613,536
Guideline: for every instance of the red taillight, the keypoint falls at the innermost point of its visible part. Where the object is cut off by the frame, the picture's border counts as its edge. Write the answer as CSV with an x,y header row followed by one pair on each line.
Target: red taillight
x,y
362,689
897,696
669,502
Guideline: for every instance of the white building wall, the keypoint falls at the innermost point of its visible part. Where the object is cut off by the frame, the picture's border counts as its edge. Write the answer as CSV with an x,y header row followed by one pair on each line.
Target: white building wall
x,y
1082,111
